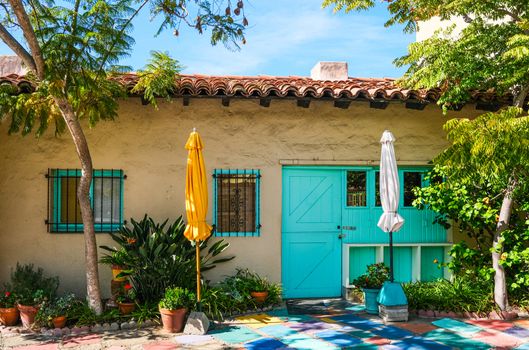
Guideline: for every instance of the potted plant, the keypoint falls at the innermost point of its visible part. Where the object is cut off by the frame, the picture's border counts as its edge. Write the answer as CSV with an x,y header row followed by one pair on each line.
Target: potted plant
x,y
173,308
29,303
56,311
118,263
259,288
8,311
126,299
371,283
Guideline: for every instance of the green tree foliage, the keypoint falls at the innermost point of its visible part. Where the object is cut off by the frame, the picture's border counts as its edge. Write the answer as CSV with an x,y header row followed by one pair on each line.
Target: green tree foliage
x,y
490,53
72,50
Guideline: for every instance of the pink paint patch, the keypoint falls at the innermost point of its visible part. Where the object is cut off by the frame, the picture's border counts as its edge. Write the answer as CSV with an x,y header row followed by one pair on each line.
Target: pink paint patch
x,y
116,347
160,346
522,323
53,346
378,340
497,339
492,324
84,340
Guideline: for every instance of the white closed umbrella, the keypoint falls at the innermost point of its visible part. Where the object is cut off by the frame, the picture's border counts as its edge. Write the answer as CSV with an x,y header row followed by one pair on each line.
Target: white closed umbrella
x,y
390,221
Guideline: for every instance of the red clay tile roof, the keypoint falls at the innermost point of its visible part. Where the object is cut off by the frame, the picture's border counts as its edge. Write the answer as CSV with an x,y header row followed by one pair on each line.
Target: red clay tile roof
x,y
292,86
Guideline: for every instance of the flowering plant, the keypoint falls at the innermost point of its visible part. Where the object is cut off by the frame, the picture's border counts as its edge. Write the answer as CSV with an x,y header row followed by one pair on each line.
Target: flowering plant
x,y
375,277
127,294
7,300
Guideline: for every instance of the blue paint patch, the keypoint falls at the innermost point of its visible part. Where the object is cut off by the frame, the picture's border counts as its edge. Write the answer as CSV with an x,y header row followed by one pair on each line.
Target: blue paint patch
x,y
417,343
356,322
455,340
264,344
391,332
278,312
523,347
302,341
234,334
338,338
277,331
356,308
456,326
518,332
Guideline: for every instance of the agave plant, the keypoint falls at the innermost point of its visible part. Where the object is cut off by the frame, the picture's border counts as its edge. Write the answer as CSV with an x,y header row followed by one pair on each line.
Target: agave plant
x,y
160,256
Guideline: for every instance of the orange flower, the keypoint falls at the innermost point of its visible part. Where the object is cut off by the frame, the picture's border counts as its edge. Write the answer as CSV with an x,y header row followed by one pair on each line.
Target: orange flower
x,y
131,240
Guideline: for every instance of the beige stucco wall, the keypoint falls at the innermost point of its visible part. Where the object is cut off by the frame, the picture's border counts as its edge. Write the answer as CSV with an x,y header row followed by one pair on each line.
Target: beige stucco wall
x,y
148,145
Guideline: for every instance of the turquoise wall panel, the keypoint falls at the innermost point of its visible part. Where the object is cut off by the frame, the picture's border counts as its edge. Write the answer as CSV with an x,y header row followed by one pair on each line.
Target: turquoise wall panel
x,y
429,267
359,258
402,263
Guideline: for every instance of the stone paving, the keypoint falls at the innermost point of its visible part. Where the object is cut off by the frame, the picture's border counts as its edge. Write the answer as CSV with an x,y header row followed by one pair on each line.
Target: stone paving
x,y
344,327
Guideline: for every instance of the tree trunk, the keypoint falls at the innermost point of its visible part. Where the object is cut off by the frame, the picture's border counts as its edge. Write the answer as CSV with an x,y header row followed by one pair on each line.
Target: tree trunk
x,y
500,285
83,195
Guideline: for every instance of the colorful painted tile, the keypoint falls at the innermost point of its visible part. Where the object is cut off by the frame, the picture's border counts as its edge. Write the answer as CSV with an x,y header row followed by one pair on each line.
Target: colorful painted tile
x,y
457,326
522,323
302,341
264,344
360,334
338,338
312,326
523,347
357,322
455,340
161,345
258,320
193,339
497,339
356,308
391,332
518,332
83,340
51,346
418,343
363,346
418,328
234,334
278,312
376,340
498,325
277,331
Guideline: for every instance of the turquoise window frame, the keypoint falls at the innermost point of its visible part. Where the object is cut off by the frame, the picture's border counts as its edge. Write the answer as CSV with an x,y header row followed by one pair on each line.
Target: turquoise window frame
x,y
59,227
257,174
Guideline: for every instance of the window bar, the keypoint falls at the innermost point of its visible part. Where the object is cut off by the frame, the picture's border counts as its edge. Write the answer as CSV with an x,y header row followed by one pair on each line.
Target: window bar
x,y
77,220
101,203
258,201
237,204
219,214
57,202
67,200
229,203
245,184
48,213
112,200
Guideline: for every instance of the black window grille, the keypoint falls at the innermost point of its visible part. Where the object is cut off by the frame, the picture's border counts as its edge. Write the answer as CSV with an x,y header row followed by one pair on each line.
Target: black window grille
x,y
106,197
236,202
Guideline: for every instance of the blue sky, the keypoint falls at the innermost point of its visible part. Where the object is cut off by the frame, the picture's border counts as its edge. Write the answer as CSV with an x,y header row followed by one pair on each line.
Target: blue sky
x,y
283,38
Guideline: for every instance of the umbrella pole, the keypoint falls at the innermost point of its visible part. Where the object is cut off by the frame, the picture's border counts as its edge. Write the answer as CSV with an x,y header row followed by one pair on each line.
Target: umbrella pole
x,y
198,275
391,256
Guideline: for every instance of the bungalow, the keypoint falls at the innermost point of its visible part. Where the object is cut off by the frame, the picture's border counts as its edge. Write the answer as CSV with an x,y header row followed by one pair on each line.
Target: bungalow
x,y
293,164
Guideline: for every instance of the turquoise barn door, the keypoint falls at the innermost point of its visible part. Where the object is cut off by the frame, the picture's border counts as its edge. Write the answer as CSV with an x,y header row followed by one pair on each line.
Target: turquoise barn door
x,y
311,246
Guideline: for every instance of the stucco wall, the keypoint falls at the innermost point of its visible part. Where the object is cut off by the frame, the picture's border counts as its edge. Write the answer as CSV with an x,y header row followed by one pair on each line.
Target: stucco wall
x,y
148,145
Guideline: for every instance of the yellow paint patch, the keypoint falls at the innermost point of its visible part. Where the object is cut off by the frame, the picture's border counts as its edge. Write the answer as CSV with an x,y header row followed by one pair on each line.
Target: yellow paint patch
x,y
258,320
328,320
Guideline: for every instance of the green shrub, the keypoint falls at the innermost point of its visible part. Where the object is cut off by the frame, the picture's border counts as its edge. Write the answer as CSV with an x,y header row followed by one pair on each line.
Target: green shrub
x,y
460,295
375,277
244,282
159,256
31,286
177,298
55,308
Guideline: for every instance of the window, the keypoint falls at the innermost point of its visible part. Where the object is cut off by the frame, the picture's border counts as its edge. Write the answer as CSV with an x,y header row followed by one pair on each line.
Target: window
x,y
106,196
236,202
356,189
412,179
378,203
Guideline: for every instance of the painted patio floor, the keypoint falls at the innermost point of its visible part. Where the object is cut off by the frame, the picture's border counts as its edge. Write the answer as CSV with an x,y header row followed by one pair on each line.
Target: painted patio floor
x,y
343,327
351,328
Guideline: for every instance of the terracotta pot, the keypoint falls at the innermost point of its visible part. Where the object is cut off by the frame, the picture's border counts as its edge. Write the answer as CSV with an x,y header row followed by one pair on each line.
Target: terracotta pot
x,y
126,308
173,320
259,297
59,321
116,270
27,314
9,316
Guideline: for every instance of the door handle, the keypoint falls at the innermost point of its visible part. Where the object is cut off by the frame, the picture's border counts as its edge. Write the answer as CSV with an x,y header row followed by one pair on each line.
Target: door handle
x,y
341,235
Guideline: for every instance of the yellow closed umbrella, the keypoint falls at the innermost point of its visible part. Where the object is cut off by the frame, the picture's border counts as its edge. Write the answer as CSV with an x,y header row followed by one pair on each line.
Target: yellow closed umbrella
x,y
197,228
